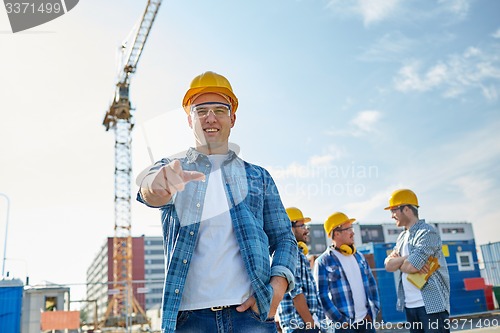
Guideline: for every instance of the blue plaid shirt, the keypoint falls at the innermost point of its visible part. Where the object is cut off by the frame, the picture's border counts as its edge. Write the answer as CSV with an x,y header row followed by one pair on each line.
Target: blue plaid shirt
x,y
290,319
335,291
260,223
423,242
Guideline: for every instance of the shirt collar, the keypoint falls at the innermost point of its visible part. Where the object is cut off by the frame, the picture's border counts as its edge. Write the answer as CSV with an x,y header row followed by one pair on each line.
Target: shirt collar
x,y
192,155
416,225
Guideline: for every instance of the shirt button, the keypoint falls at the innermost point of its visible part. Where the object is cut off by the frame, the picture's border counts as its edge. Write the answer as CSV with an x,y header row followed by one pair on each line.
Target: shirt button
x,y
176,291
198,205
203,180
207,165
191,233
184,261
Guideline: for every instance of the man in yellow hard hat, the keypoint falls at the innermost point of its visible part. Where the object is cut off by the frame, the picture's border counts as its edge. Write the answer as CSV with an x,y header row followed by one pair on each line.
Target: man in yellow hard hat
x,y
424,298
346,285
230,253
300,310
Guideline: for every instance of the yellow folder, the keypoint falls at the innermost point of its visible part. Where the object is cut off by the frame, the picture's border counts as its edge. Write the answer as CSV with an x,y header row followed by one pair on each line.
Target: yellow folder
x,y
419,279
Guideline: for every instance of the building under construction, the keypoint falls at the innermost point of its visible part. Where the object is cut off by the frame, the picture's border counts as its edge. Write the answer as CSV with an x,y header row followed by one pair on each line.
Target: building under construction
x,y
147,279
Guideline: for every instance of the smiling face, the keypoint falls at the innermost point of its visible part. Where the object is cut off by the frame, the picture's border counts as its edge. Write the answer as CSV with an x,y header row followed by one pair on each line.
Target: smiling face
x,y
403,216
211,131
301,231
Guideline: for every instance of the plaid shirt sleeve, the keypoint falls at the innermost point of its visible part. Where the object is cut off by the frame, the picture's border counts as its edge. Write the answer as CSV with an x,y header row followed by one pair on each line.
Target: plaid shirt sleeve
x,y
282,242
297,290
427,244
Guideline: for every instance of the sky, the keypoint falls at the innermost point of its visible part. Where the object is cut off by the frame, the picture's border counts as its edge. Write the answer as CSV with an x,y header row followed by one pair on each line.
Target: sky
x,y
342,101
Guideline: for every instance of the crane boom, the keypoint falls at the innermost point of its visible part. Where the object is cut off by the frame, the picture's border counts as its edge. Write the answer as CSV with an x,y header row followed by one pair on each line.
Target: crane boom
x,y
140,39
123,306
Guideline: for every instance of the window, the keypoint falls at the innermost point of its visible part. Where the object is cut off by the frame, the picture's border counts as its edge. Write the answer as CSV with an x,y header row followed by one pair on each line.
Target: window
x,y
372,233
317,239
453,230
393,231
154,242
50,303
464,261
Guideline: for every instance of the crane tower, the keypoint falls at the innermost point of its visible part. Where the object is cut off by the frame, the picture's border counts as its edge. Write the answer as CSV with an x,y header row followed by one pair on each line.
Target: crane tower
x,y
123,306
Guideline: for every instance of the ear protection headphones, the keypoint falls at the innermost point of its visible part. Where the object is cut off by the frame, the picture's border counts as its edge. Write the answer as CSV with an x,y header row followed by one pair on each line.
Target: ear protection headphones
x,y
303,247
346,250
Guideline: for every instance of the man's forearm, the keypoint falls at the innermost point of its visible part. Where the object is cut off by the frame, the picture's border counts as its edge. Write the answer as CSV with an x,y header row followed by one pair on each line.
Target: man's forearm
x,y
407,267
392,264
300,304
149,195
280,285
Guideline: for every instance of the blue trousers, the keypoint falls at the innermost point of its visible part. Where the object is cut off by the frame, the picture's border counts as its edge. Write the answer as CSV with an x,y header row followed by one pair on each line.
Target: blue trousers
x,y
223,321
421,322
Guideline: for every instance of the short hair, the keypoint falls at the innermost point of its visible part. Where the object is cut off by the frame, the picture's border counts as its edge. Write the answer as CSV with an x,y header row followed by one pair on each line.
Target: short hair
x,y
414,209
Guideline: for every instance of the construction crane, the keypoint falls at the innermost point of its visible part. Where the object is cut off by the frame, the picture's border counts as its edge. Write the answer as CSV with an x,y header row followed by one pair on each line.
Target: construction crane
x,y
123,308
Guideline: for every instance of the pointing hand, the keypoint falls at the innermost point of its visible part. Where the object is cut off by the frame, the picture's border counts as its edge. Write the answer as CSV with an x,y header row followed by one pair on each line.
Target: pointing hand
x,y
159,187
171,179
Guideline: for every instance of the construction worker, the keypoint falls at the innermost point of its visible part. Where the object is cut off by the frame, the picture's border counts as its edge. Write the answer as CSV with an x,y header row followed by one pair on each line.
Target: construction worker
x,y
229,252
300,310
426,305
346,285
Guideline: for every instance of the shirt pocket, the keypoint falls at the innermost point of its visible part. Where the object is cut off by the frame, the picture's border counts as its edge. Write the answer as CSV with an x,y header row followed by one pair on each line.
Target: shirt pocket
x,y
333,273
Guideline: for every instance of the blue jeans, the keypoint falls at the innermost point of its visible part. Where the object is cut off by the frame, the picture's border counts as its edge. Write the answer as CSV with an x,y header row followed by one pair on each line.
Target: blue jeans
x,y
224,321
421,322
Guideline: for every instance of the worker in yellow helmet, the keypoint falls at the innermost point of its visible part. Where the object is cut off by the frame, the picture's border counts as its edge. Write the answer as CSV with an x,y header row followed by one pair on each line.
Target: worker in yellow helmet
x,y
222,219
426,302
300,310
347,288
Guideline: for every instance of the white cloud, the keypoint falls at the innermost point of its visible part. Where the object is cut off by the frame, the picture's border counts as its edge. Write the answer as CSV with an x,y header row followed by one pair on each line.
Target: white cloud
x,y
321,159
374,11
496,34
313,166
471,52
490,92
458,7
371,11
473,187
390,47
474,68
365,122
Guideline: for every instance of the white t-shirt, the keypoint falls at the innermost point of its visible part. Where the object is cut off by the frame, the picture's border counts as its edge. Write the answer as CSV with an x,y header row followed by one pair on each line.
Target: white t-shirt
x,y
217,274
353,274
413,295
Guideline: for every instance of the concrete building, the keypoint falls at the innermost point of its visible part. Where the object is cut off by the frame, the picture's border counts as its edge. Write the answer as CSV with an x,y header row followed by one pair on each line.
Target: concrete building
x,y
147,274
39,299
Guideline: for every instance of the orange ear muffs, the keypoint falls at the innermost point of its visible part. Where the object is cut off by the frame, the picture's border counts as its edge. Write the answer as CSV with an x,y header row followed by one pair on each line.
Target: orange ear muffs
x,y
346,250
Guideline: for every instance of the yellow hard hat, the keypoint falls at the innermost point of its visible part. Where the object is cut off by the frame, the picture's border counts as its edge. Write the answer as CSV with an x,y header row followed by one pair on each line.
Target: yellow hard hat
x,y
303,247
402,197
209,82
294,214
335,220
